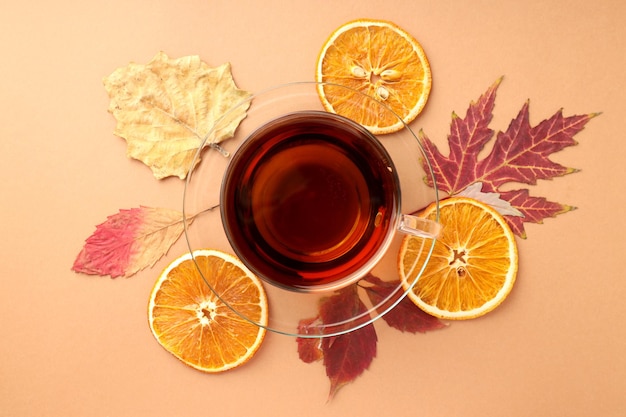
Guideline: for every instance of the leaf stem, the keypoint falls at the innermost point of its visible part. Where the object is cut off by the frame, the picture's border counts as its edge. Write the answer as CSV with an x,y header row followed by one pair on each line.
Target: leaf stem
x,y
206,210
221,150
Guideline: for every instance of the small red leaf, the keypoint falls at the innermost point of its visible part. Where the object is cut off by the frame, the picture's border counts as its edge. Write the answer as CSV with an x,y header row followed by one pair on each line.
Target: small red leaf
x,y
345,356
343,305
405,316
129,241
349,355
309,348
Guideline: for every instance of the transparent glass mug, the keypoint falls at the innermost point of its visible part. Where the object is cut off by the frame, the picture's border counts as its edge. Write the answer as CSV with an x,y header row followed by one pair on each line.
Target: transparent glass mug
x,y
309,200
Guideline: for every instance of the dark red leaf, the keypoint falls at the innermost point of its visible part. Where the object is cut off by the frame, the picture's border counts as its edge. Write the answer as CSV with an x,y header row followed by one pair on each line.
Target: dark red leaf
x,y
348,356
345,356
309,348
405,316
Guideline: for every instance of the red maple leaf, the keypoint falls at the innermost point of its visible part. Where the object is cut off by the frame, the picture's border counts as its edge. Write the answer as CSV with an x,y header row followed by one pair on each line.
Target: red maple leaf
x,y
521,154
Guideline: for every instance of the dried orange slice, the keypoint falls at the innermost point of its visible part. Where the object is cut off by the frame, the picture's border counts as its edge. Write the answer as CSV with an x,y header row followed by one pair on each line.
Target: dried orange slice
x,y
193,324
381,60
473,265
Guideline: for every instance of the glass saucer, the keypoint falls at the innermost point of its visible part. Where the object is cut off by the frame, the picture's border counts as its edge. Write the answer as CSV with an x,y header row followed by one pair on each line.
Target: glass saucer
x,y
289,309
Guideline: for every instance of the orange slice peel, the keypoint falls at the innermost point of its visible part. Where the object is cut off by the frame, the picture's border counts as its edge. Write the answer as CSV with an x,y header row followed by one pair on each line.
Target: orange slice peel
x,y
381,60
192,323
472,268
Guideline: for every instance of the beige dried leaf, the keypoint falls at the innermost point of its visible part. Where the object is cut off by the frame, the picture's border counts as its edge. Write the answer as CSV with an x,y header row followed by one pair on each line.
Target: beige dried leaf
x,y
165,108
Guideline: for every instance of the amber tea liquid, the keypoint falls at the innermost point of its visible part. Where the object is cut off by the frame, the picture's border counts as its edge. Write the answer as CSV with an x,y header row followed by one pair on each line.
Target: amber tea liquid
x,y
308,201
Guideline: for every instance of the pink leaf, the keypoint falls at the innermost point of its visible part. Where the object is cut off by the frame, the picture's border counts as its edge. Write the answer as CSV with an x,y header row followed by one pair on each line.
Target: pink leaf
x,y
129,241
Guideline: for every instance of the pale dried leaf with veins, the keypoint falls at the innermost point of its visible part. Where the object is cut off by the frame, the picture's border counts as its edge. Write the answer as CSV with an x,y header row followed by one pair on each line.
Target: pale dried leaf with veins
x,y
165,108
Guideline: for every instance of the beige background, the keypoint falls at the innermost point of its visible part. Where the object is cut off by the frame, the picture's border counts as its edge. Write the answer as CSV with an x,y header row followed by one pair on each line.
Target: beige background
x,y
74,345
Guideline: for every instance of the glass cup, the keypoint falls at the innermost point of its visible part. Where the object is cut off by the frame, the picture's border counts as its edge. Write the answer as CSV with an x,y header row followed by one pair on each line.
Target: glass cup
x,y
310,201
